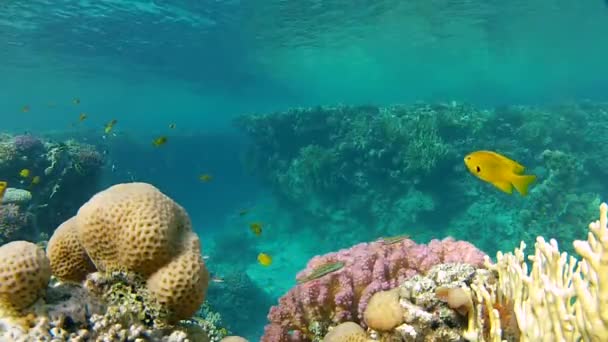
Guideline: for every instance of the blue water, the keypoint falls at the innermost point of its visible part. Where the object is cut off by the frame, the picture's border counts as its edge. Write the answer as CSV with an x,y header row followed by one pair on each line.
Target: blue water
x,y
200,64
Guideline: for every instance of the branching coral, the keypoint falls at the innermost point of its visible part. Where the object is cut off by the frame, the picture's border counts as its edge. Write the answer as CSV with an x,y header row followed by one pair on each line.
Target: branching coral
x,y
561,298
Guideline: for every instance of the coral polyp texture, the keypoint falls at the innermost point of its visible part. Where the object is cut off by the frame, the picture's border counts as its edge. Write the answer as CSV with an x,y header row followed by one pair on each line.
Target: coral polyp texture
x,y
149,288
135,228
343,295
48,180
24,275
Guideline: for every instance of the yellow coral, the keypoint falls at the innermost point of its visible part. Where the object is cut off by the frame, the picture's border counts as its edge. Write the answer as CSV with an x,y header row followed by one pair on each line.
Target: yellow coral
x,y
136,228
69,260
132,226
346,332
24,274
561,298
383,311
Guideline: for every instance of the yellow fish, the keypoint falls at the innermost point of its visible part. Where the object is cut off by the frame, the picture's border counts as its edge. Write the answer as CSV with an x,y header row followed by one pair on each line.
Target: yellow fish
x,y
499,171
24,173
82,117
109,126
205,177
25,109
3,186
264,259
172,126
159,141
256,228
36,180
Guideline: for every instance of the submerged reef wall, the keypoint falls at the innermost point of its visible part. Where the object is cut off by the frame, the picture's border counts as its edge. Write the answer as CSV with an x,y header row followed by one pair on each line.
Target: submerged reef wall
x,y
47,182
386,168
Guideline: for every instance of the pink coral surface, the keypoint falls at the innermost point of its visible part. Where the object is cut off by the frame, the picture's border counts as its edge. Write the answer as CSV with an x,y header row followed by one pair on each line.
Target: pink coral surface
x,y
368,268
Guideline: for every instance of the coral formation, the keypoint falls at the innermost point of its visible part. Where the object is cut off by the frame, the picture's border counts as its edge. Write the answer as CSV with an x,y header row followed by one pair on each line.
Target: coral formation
x,y
307,309
135,227
151,289
560,298
386,168
62,175
24,275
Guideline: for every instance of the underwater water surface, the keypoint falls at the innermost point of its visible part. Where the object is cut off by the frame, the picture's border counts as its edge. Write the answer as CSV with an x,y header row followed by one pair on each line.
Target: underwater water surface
x,y
328,123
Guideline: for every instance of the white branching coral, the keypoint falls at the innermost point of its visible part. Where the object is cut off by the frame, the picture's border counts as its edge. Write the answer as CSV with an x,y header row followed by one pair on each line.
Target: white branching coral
x,y
561,298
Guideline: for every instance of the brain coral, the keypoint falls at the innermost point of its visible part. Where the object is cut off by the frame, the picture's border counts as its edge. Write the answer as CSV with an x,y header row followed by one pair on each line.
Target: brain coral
x,y
24,274
69,260
135,227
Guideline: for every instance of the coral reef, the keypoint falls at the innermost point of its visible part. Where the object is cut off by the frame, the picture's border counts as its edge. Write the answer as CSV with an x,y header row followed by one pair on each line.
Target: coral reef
x,y
62,175
386,168
236,297
557,297
135,227
150,289
310,307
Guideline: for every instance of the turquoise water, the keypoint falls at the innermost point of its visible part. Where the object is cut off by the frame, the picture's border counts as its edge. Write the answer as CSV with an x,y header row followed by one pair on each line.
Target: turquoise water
x,y
201,64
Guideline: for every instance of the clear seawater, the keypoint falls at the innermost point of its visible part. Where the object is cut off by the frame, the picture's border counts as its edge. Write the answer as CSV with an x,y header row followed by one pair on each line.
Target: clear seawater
x,y
200,63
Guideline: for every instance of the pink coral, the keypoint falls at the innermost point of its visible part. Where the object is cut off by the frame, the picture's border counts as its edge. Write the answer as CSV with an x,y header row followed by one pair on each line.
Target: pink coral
x,y
368,268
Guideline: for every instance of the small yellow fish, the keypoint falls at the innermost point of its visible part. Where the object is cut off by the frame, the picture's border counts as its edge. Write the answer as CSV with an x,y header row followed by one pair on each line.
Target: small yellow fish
x,y
498,170
25,109
109,126
3,186
25,173
36,180
264,259
256,228
82,117
76,101
205,177
172,126
159,141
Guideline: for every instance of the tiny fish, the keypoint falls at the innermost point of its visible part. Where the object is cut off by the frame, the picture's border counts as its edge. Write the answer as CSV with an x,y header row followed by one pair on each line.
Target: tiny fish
x,y
243,212
109,126
264,259
25,109
25,173
172,126
3,186
394,239
82,117
160,141
498,170
217,279
76,101
205,177
256,228
36,180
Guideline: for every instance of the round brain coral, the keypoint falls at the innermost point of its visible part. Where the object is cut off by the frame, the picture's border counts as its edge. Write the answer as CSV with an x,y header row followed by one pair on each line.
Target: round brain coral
x,y
69,261
181,285
132,226
24,274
